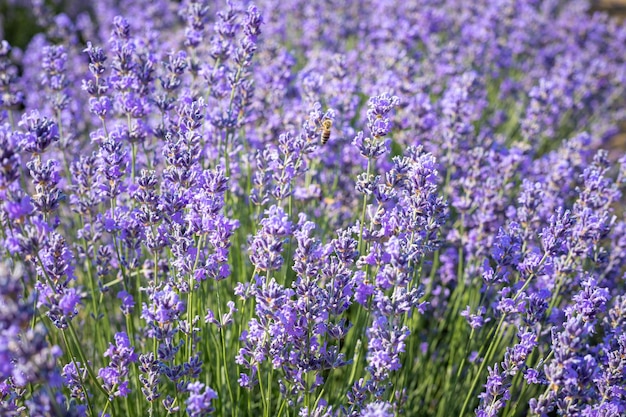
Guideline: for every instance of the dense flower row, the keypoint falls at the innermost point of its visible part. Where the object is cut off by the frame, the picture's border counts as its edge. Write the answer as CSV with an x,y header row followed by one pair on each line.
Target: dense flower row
x,y
318,208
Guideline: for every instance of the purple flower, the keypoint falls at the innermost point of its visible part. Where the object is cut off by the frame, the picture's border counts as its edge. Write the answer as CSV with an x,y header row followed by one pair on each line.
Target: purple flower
x,y
165,307
127,302
150,377
41,132
18,210
368,147
100,106
121,355
532,376
73,378
381,105
26,357
267,244
69,301
54,78
12,96
199,402
226,318
477,320
377,409
9,156
112,164
386,342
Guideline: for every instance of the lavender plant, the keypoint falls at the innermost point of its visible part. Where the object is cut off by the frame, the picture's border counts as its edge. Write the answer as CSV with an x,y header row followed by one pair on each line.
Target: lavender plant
x,y
320,208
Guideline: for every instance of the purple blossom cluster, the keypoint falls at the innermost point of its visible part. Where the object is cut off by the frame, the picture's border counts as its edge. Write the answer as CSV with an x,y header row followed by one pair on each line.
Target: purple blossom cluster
x,y
121,355
299,330
313,208
28,359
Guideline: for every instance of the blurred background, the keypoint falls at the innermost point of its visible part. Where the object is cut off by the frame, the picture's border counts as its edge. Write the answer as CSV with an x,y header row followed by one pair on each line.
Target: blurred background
x,y
20,20
614,7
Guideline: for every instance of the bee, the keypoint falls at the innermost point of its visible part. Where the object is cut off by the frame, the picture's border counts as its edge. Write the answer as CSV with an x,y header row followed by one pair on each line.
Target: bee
x,y
326,125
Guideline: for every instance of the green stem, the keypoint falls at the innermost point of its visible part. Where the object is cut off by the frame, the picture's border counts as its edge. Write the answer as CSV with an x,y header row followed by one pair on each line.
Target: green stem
x,y
81,354
363,209
266,412
495,338
224,363
79,374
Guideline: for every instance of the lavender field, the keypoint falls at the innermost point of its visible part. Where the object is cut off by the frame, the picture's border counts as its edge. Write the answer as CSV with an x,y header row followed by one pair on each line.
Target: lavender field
x,y
317,208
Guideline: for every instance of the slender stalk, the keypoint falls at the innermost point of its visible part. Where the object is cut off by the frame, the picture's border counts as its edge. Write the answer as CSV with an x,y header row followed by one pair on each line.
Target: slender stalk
x,y
78,372
224,362
494,341
363,208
